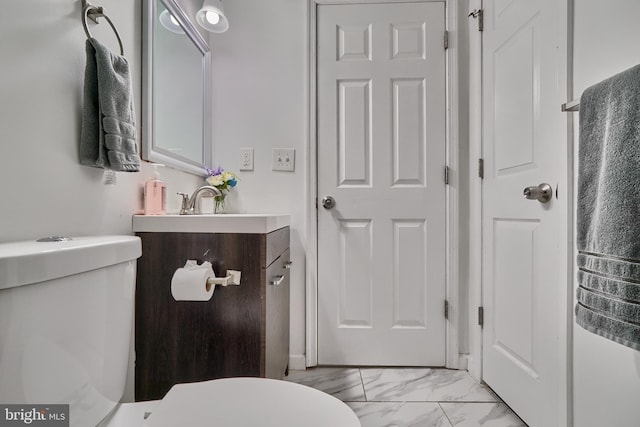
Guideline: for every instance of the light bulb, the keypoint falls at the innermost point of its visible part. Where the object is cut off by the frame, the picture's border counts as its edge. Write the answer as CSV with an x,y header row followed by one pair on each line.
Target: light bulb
x,y
169,22
212,17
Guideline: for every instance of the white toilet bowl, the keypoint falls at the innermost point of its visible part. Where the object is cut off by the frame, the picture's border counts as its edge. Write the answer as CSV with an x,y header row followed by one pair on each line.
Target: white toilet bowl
x,y
66,311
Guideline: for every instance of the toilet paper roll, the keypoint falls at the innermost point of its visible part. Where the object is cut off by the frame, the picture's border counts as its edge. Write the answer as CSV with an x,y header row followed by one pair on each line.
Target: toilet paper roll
x,y
190,284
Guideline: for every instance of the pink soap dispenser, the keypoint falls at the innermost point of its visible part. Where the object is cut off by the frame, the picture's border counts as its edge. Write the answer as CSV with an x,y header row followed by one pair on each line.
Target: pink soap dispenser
x,y
155,194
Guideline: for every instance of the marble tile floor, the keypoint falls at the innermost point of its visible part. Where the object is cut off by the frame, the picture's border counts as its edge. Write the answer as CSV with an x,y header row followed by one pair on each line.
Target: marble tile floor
x,y
411,397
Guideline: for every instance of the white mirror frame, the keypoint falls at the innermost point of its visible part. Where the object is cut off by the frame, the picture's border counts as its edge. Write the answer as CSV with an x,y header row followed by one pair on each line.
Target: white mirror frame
x,y
150,151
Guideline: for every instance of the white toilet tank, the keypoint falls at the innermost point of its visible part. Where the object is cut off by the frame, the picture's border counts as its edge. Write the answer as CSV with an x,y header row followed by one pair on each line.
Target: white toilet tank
x,y
66,315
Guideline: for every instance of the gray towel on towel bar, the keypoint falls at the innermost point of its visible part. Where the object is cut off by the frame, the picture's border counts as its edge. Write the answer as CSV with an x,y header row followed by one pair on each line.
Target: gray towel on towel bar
x,y
608,222
108,135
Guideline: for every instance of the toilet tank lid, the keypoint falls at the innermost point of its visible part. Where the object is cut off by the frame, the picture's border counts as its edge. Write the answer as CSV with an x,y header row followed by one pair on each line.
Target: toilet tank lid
x,y
24,263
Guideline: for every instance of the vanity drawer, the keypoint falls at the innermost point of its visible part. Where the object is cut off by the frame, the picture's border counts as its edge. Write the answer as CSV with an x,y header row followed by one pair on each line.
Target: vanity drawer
x,y
277,317
276,243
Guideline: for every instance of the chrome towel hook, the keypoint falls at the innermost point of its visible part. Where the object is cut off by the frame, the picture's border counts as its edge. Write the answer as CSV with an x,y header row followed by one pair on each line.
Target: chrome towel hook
x,y
92,12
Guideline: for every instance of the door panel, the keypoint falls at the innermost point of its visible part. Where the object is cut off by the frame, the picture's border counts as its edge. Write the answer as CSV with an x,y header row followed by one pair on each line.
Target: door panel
x,y
354,140
381,155
524,145
408,132
355,280
514,246
410,274
515,80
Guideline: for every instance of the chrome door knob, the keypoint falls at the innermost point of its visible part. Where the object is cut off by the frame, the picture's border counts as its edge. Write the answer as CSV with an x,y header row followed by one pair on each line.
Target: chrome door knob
x,y
328,202
541,193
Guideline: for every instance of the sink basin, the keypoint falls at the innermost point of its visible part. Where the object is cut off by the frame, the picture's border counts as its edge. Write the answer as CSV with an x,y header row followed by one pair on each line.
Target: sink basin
x,y
211,223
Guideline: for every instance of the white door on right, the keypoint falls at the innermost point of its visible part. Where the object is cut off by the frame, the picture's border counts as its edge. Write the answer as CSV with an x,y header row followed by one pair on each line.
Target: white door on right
x,y
524,145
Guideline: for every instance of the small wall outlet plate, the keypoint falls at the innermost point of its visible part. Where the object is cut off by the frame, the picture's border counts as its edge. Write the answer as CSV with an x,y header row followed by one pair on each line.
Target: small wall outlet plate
x,y
284,159
246,159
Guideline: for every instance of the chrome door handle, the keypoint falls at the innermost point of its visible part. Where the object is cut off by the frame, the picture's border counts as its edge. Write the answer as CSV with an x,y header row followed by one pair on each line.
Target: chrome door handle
x,y
328,202
541,193
287,265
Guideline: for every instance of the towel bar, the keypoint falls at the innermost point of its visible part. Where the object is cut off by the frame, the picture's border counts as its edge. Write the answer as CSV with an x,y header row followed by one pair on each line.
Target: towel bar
x,y
571,106
93,12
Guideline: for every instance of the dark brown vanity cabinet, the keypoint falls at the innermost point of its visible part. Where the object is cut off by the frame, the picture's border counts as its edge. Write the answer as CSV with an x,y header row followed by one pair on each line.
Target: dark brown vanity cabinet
x,y
242,331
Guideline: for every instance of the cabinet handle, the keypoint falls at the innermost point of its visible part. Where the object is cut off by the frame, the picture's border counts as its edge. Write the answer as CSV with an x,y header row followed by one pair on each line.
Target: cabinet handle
x,y
287,265
277,281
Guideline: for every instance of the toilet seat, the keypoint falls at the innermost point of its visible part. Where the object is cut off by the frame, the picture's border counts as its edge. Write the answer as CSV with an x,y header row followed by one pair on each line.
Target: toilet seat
x,y
249,402
129,414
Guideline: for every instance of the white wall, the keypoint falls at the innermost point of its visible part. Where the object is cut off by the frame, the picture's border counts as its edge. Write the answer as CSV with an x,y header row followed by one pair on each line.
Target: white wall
x,y
465,174
473,273
260,101
606,374
44,189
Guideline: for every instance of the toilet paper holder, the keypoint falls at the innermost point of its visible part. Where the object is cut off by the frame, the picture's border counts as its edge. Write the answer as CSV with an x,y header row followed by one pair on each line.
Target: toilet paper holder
x,y
232,278
195,282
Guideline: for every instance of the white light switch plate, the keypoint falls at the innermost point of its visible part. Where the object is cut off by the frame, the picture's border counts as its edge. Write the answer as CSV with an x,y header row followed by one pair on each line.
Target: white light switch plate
x,y
284,159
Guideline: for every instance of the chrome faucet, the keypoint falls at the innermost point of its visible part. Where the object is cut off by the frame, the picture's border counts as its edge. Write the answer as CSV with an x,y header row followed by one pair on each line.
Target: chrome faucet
x,y
191,205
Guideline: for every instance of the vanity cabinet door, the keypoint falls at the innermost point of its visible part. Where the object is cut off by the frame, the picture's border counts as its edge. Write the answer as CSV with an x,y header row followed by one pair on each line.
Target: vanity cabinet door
x,y
241,331
277,317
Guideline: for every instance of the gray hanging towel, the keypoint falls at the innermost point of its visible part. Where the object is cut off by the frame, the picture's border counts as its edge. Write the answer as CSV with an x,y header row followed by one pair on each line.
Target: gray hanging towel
x,y
108,135
608,221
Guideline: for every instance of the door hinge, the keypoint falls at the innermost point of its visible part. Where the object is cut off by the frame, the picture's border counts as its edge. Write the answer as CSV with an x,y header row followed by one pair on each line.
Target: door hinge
x,y
446,309
446,39
481,168
479,14
446,175
481,316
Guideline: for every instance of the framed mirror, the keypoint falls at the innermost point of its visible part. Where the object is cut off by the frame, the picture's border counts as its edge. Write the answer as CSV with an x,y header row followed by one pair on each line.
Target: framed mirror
x,y
176,117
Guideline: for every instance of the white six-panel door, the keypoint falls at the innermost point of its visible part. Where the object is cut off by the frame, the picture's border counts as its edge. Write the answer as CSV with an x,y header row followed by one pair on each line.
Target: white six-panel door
x,y
381,156
524,137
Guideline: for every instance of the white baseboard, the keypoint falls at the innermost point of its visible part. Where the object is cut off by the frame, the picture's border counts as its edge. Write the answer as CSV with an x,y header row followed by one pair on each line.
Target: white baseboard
x,y
463,362
297,362
473,368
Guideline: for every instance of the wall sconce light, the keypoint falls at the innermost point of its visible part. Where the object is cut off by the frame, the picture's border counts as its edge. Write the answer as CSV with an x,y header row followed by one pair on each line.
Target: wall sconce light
x,y
170,23
211,16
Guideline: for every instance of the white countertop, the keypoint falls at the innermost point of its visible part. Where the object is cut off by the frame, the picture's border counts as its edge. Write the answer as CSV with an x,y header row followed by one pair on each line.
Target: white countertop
x,y
211,223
